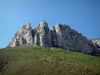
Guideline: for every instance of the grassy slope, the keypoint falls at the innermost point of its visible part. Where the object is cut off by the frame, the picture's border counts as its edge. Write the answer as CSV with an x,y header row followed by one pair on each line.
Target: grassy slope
x,y
27,60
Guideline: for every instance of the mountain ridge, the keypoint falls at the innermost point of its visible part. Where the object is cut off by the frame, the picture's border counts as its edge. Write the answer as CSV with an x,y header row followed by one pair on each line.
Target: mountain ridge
x,y
60,35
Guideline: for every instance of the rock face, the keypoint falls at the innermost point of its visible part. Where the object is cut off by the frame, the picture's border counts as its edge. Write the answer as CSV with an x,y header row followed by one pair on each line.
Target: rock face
x,y
67,38
23,36
96,42
45,34
60,35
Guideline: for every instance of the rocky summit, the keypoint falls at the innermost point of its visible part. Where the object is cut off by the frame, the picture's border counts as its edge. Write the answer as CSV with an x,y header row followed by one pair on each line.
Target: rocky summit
x,y
60,35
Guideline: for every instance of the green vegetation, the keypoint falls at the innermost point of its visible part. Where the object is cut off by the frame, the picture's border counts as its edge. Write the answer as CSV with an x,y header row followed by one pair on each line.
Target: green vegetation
x,y
28,60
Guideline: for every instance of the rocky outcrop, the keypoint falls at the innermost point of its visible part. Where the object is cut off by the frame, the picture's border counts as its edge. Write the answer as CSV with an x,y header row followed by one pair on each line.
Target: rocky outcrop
x,y
60,35
45,34
68,38
23,36
96,43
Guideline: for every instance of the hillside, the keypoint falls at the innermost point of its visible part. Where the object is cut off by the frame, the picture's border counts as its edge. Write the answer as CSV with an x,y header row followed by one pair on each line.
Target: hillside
x,y
29,60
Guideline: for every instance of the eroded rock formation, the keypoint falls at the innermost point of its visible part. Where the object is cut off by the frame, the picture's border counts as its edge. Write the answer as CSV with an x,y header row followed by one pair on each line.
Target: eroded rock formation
x,y
60,35
23,36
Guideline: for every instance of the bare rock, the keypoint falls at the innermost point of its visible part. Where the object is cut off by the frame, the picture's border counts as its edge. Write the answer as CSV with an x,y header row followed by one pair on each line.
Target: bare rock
x,y
68,38
23,36
53,37
60,35
96,43
45,34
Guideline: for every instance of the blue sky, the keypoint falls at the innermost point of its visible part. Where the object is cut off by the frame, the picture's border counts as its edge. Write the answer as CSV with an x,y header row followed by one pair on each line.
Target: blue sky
x,y
82,15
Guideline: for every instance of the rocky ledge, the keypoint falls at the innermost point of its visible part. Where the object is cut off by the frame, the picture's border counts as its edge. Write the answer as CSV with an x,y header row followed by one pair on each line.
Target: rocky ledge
x,y
60,35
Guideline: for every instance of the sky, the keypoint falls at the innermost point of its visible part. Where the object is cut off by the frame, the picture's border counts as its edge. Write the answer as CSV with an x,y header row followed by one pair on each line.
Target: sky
x,y
81,15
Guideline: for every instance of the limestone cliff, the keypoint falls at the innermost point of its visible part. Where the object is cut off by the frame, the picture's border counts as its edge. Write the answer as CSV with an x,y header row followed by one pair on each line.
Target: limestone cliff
x,y
60,35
